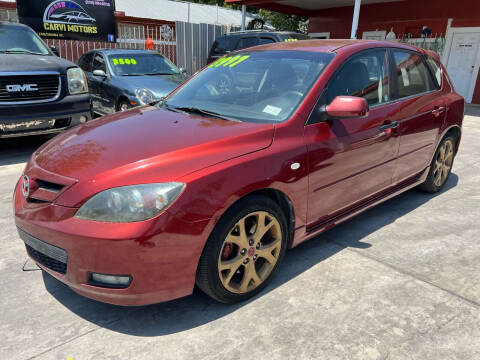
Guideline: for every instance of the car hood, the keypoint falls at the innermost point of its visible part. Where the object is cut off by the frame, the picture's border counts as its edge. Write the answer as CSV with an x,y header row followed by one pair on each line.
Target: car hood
x,y
29,63
144,145
160,85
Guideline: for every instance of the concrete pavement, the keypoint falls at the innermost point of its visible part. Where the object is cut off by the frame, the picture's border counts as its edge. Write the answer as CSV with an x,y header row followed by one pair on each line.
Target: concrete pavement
x,y
400,281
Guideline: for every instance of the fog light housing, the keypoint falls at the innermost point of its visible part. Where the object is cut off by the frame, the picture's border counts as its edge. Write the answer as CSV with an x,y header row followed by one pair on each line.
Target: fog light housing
x,y
110,281
83,119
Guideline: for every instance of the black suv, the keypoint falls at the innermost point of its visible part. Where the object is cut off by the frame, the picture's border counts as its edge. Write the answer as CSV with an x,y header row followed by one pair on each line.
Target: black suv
x,y
245,39
40,93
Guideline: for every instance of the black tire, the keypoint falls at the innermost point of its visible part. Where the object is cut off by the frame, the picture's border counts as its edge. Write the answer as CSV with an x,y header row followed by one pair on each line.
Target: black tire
x,y
123,106
208,276
431,184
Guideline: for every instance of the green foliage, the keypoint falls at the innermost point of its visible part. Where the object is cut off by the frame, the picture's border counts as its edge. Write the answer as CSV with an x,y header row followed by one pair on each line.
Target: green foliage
x,y
284,22
280,21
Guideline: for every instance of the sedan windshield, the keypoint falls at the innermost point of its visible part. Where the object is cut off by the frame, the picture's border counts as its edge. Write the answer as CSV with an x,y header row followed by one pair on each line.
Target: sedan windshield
x,y
131,64
257,86
21,40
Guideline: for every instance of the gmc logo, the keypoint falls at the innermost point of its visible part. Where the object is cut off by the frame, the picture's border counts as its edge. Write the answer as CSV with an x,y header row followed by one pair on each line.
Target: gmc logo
x,y
21,88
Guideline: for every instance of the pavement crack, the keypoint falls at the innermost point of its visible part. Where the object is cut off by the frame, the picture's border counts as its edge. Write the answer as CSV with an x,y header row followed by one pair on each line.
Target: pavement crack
x,y
71,339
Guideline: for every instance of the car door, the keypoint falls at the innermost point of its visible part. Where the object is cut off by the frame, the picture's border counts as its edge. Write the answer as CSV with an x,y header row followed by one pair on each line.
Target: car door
x,y
351,159
85,63
420,114
102,101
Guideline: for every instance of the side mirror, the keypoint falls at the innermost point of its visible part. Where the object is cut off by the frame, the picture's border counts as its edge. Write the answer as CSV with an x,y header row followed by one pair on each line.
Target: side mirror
x,y
99,73
347,107
183,70
54,50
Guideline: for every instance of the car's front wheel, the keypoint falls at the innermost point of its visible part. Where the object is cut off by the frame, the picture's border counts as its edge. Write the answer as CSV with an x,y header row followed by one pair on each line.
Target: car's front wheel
x,y
244,250
441,166
123,106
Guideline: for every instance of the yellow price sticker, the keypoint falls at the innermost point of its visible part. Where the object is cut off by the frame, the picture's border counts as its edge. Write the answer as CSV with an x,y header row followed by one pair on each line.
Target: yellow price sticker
x,y
124,61
229,61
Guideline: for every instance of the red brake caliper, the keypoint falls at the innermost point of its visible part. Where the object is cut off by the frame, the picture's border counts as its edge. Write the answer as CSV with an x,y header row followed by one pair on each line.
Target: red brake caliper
x,y
227,251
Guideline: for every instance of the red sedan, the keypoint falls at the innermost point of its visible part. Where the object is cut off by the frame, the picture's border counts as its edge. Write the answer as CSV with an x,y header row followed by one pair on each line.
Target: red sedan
x,y
258,152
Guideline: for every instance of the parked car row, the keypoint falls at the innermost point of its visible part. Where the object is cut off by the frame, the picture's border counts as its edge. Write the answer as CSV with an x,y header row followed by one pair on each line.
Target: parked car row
x,y
41,93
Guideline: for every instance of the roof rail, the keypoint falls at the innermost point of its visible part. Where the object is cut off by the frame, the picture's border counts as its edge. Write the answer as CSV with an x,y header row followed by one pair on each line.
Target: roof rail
x,y
250,31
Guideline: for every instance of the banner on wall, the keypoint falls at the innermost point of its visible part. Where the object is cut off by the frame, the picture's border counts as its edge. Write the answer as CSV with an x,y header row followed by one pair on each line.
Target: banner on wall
x,y
71,20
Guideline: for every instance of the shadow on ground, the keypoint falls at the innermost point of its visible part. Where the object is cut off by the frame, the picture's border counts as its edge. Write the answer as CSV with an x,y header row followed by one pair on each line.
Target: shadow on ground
x,y
198,309
18,150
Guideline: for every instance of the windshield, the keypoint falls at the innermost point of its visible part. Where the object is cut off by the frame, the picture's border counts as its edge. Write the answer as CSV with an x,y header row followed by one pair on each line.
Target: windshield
x,y
19,39
131,64
258,86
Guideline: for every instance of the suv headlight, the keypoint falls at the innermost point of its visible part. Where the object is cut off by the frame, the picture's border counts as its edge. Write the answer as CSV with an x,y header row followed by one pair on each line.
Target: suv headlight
x,y
130,203
145,96
77,81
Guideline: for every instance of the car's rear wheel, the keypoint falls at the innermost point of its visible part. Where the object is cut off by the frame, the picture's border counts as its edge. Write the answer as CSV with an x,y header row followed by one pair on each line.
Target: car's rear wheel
x,y
441,166
244,250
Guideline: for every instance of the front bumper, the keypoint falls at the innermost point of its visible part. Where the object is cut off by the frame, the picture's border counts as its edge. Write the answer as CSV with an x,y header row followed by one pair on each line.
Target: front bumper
x,y
44,118
160,254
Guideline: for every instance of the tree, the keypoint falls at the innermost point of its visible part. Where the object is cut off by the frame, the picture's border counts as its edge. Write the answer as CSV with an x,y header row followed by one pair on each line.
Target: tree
x,y
284,22
280,21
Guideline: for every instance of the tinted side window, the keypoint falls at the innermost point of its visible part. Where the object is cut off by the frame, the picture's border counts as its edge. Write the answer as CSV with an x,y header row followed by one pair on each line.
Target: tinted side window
x,y
85,62
411,73
436,71
265,40
365,75
247,42
220,46
99,63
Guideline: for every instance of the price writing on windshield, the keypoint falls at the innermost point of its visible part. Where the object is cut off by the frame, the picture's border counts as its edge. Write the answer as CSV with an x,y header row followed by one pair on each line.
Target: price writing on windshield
x,y
230,61
124,61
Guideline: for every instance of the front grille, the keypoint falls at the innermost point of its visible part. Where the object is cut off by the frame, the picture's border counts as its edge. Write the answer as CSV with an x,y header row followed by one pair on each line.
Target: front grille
x,y
50,256
47,261
48,86
49,186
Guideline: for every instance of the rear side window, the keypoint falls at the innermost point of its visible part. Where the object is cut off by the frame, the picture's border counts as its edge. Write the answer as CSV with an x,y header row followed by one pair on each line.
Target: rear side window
x,y
265,40
85,62
436,71
412,75
221,46
365,75
247,42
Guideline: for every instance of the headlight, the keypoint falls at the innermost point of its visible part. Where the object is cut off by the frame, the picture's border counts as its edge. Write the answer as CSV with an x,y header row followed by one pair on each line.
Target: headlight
x,y
77,82
130,203
145,96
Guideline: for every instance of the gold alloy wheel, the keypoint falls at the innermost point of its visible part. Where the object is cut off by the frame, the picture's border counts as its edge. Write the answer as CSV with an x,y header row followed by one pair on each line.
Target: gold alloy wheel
x,y
250,252
443,163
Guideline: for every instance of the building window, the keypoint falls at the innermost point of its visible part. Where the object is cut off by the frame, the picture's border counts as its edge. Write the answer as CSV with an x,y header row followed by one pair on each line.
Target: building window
x,y
374,35
320,35
8,15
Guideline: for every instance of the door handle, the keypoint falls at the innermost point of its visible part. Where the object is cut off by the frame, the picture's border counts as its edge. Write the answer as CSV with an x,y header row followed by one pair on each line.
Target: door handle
x,y
392,125
438,111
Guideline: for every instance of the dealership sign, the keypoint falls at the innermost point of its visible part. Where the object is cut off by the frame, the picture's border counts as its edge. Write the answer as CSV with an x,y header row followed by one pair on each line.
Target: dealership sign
x,y
68,19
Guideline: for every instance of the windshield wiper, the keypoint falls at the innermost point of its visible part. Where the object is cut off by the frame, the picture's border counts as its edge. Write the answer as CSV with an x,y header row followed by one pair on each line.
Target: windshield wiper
x,y
21,52
203,112
160,73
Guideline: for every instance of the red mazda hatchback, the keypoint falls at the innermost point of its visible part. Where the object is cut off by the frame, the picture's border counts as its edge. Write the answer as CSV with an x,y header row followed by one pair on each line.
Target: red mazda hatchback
x,y
255,154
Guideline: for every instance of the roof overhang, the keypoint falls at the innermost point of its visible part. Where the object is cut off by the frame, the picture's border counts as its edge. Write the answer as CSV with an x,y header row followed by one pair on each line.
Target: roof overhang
x,y
302,7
